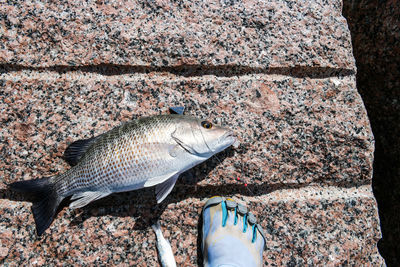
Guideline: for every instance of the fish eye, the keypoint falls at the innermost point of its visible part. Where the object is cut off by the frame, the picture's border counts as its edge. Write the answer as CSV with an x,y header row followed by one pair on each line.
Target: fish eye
x,y
206,124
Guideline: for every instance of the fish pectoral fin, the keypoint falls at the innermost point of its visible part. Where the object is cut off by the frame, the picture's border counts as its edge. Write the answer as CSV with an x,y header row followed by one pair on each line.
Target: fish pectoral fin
x,y
84,198
77,149
163,189
159,179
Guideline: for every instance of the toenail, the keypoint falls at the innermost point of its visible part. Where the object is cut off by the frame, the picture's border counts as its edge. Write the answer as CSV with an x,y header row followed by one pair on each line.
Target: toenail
x,y
251,218
213,201
242,209
230,204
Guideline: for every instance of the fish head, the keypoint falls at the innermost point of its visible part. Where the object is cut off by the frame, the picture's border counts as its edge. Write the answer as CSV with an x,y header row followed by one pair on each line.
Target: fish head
x,y
203,138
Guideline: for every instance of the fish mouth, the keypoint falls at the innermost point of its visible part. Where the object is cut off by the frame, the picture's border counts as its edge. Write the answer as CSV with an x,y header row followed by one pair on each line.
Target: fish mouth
x,y
223,142
227,139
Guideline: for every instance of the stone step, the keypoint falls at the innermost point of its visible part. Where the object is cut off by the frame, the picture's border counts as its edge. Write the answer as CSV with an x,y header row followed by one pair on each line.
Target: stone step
x,y
257,34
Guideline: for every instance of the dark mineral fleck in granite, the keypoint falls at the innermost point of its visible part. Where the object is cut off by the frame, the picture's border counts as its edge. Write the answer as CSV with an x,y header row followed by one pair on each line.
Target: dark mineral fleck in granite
x,y
306,147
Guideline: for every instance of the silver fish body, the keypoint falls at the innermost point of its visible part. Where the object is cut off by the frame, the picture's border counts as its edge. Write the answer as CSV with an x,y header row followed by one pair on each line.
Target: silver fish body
x,y
151,151
164,247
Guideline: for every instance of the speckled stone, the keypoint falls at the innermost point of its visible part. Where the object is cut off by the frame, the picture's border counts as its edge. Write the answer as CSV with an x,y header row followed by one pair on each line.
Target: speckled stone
x,y
294,133
306,147
256,34
292,130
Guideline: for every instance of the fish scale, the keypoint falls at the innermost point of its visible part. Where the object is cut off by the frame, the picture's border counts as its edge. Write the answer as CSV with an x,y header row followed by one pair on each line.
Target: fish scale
x,y
151,151
122,157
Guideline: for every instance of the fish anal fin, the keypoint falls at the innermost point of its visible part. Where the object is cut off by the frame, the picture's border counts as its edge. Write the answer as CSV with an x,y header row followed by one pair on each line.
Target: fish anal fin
x,y
163,189
84,198
77,149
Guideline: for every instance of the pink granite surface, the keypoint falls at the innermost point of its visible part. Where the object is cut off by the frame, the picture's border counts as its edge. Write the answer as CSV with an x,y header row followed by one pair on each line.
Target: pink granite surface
x,y
254,34
306,145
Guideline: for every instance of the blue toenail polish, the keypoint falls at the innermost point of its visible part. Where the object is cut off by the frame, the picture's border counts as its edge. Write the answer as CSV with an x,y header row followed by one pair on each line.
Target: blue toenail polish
x,y
254,234
245,223
224,213
235,222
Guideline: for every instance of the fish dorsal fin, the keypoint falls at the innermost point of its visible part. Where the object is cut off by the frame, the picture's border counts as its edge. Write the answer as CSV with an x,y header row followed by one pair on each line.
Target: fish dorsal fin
x,y
84,198
163,189
77,149
177,110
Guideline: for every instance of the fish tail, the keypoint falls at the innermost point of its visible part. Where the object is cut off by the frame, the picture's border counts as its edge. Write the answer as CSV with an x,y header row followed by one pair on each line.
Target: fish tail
x,y
47,202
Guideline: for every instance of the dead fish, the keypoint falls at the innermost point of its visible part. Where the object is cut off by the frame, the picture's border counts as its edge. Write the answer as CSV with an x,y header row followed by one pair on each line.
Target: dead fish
x,y
151,151
164,247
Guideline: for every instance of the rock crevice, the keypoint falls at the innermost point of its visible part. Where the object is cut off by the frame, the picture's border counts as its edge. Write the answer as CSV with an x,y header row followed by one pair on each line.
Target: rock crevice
x,y
189,70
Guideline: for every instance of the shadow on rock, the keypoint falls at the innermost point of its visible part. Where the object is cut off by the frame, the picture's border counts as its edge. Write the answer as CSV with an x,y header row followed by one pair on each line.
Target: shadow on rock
x,y
141,204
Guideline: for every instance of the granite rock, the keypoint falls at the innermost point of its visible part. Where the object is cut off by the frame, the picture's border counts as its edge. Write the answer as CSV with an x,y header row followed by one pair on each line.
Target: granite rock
x,y
255,34
304,164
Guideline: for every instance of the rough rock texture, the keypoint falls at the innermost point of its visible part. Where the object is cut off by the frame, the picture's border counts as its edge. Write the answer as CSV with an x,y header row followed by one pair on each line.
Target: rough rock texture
x,y
253,34
280,74
376,40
